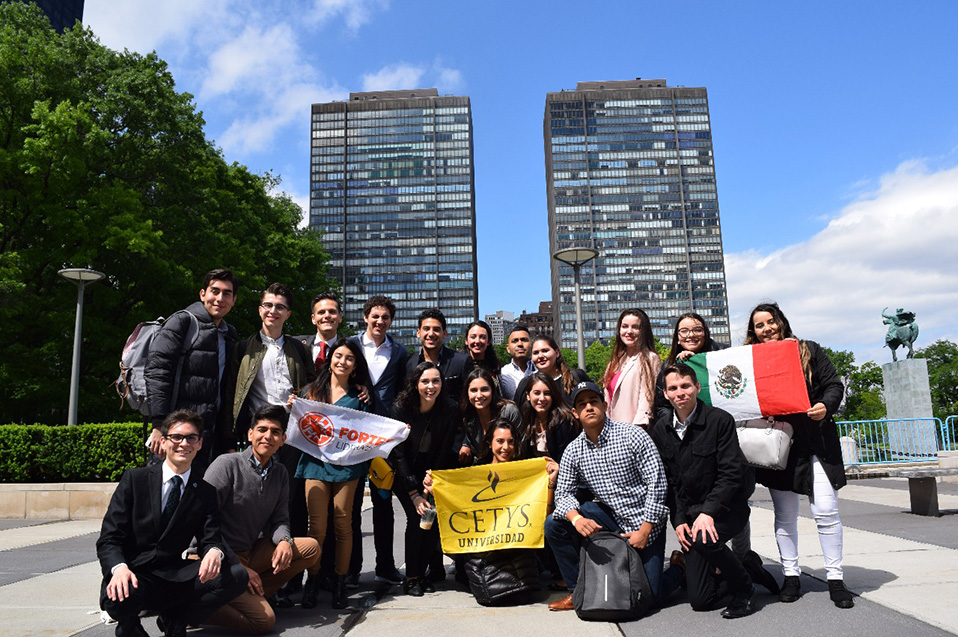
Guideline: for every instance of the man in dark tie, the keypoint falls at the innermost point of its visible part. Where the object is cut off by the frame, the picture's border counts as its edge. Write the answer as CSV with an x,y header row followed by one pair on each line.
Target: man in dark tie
x,y
153,516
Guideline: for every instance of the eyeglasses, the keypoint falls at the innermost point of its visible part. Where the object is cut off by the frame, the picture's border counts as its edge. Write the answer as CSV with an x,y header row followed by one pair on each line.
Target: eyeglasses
x,y
181,438
698,331
269,307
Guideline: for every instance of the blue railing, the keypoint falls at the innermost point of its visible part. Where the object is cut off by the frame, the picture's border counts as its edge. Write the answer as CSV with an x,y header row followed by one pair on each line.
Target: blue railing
x,y
902,440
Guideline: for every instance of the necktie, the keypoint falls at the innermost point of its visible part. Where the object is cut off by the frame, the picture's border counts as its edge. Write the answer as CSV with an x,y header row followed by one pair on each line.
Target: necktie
x,y
172,500
321,357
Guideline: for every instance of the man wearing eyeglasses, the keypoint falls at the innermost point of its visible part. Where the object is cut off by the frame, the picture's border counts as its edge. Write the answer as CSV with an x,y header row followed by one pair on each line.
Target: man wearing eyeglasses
x,y
187,360
153,515
268,366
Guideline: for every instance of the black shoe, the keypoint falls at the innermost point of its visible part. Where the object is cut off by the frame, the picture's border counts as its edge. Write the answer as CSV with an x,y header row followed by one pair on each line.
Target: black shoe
x,y
759,574
281,600
839,594
427,586
311,592
791,589
352,580
677,560
294,585
340,599
412,586
741,605
131,628
389,576
171,626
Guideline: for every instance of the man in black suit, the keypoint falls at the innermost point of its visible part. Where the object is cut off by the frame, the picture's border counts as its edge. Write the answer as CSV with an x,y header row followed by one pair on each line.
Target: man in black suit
x,y
453,365
326,314
153,516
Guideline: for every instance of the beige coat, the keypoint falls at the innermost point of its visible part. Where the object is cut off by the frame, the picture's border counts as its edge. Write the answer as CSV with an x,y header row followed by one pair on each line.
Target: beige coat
x,y
632,399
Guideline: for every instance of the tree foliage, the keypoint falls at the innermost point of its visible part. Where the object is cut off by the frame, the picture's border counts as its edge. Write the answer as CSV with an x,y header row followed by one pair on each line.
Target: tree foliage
x,y
942,359
104,164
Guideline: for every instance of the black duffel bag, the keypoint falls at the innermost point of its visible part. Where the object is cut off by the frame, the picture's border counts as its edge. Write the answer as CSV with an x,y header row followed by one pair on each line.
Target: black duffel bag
x,y
504,577
612,585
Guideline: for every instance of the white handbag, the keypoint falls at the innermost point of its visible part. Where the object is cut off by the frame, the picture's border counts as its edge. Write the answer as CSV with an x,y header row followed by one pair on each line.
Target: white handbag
x,y
765,442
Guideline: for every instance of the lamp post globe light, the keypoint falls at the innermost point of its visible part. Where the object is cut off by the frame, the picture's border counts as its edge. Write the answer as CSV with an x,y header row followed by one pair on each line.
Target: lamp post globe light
x,y
577,257
81,277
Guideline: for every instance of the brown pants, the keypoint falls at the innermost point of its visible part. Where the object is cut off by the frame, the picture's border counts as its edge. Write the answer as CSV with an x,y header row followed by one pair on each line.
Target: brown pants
x,y
318,495
249,613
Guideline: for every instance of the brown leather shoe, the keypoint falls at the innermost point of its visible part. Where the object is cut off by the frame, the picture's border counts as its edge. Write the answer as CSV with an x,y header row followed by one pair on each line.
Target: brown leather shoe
x,y
563,604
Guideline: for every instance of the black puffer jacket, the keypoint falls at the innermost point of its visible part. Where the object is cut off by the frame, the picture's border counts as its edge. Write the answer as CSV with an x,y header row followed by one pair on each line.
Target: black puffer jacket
x,y
199,386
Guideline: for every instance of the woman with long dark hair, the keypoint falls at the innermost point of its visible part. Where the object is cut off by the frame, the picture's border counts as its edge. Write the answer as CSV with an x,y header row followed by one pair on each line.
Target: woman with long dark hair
x,y
340,382
478,344
434,423
690,336
815,467
547,357
548,425
629,377
481,405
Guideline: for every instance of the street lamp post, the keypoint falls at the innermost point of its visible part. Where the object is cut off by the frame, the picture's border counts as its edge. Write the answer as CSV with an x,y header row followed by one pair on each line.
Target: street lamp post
x,y
577,257
81,277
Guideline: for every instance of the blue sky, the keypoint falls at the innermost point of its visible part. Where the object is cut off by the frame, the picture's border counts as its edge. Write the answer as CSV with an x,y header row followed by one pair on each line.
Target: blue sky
x,y
835,125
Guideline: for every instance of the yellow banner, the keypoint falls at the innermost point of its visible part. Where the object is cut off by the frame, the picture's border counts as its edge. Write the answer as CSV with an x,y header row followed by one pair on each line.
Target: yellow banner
x,y
492,506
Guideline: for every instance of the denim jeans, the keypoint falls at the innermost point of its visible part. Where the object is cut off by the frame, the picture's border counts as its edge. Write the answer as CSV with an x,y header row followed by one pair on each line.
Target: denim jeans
x,y
566,541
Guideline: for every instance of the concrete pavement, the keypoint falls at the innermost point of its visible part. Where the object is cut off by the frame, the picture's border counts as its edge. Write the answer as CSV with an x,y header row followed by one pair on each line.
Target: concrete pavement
x,y
904,568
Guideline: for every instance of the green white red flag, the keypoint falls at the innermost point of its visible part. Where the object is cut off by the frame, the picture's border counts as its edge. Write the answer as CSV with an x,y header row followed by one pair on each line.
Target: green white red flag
x,y
753,381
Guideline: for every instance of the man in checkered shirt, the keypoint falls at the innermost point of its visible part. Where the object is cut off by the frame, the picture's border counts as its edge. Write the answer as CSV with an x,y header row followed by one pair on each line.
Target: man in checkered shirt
x,y
620,465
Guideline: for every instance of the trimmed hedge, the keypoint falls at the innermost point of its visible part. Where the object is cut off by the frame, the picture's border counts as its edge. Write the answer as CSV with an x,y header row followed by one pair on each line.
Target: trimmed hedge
x,y
83,453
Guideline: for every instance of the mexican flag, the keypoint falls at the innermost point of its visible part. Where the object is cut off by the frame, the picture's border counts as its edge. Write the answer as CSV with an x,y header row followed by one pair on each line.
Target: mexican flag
x,y
754,381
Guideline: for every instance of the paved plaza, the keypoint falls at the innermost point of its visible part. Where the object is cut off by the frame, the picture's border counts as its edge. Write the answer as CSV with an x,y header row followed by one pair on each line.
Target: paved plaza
x,y
903,569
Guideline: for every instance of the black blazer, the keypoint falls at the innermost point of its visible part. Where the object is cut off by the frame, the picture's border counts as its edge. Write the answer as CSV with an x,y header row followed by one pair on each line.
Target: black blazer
x,y
454,367
131,530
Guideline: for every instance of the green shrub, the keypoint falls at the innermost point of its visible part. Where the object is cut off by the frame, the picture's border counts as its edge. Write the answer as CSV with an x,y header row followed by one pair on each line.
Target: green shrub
x,y
84,453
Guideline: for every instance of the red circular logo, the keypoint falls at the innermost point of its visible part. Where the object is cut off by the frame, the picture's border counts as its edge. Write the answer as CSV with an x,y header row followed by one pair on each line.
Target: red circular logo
x,y
316,428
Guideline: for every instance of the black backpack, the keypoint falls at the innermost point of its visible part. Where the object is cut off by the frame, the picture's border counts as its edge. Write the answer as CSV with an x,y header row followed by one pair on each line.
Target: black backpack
x,y
612,585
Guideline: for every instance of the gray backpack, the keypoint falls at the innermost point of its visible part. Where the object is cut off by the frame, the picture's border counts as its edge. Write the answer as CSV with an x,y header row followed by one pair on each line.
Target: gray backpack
x,y
131,383
612,585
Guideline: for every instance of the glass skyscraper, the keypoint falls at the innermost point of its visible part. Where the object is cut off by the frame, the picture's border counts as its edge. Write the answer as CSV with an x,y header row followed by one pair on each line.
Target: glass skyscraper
x,y
391,188
630,173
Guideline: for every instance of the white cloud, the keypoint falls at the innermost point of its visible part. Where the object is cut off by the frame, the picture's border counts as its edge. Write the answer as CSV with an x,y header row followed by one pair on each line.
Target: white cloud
x,y
144,25
895,246
450,80
355,13
256,60
394,77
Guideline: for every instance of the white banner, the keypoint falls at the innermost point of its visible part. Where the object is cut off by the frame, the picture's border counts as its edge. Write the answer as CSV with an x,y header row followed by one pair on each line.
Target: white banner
x,y
342,436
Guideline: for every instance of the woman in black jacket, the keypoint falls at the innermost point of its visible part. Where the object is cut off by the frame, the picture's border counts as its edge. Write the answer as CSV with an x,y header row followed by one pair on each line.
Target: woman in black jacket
x,y
547,357
434,424
815,466
548,425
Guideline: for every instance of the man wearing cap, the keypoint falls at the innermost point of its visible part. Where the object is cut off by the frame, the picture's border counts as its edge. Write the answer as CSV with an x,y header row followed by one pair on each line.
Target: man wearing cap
x,y
620,465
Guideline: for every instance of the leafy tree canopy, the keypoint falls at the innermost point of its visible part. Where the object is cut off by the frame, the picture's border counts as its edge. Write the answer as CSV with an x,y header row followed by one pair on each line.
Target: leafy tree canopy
x,y
103,164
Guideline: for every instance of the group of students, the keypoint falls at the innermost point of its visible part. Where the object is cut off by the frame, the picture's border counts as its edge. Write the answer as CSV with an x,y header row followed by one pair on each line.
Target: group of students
x,y
464,408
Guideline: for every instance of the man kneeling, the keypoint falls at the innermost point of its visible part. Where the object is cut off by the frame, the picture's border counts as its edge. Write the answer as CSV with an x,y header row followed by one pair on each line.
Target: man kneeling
x,y
153,516
619,464
707,479
253,492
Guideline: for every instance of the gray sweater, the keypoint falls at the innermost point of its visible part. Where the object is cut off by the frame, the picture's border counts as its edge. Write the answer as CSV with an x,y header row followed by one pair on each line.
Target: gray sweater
x,y
250,507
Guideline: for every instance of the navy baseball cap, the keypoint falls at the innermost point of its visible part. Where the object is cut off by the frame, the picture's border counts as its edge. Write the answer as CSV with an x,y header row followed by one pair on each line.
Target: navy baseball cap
x,y
586,386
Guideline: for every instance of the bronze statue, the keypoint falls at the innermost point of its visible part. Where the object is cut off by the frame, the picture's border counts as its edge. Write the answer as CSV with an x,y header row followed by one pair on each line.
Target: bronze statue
x,y
902,331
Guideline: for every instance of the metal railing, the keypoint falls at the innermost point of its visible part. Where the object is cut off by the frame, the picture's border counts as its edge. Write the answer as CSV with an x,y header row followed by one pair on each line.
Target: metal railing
x,y
901,440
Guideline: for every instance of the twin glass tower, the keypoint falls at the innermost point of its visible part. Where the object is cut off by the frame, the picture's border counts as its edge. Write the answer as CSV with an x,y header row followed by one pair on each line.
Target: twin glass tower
x,y
629,172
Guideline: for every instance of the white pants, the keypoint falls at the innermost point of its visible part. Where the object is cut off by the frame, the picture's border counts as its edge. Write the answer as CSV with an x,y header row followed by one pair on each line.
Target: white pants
x,y
824,504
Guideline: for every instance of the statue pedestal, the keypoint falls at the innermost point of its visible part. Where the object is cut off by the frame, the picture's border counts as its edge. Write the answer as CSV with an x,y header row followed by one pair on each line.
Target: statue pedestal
x,y
908,395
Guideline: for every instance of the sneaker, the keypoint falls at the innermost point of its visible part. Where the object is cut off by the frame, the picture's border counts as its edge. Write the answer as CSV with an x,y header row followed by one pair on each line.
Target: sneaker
x,y
389,577
840,595
352,580
759,574
791,589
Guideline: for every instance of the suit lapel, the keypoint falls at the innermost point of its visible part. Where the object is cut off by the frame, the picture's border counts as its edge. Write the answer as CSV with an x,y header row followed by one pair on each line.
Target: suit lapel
x,y
156,496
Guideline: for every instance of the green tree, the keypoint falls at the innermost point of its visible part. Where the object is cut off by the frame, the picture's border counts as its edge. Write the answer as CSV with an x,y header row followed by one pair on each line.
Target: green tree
x,y
104,164
942,359
863,391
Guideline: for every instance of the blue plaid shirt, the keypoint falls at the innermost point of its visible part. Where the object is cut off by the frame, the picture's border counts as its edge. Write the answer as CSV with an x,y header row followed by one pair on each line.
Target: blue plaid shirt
x,y
622,469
